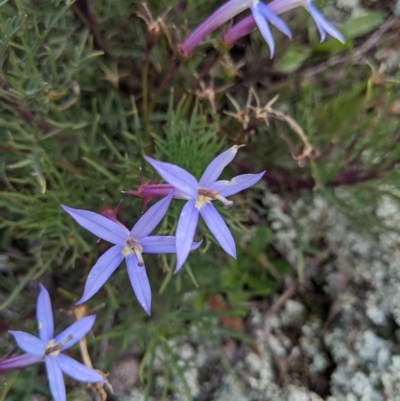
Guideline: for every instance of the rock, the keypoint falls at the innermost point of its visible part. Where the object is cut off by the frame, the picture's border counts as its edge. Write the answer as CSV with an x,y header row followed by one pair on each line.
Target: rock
x,y
124,374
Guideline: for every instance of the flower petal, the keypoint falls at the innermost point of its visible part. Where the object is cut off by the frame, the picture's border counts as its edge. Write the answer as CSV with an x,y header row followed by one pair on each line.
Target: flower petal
x,y
176,176
44,315
56,379
236,184
29,343
214,169
78,371
323,25
140,282
149,221
99,225
19,362
223,14
185,232
271,17
263,27
101,271
218,227
158,244
76,331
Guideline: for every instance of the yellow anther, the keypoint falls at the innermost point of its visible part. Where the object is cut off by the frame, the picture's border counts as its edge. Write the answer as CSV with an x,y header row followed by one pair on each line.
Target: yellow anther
x,y
206,195
54,349
132,246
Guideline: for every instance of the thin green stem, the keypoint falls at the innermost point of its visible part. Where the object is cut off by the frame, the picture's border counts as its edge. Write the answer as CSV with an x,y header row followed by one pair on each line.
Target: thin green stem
x,y
208,67
24,281
167,78
145,99
206,70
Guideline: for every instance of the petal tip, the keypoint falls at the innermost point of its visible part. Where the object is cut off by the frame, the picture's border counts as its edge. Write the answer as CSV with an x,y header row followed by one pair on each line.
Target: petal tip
x,y
340,38
146,305
148,159
91,318
231,252
196,245
66,208
177,268
42,287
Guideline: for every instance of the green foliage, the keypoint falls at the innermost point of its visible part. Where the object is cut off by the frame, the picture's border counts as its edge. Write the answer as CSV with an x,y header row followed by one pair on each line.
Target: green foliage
x,y
188,137
355,27
293,59
75,124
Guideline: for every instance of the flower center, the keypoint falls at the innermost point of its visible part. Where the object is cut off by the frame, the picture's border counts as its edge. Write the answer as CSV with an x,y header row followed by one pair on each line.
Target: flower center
x,y
132,246
54,349
207,195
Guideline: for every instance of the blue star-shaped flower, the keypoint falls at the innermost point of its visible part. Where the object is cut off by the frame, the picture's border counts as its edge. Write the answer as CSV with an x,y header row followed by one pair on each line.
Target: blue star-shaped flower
x,y
262,14
128,245
50,349
323,25
200,196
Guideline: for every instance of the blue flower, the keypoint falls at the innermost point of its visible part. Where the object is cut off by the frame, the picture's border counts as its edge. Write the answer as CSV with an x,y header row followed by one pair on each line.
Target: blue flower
x,y
323,25
128,245
49,349
200,196
261,14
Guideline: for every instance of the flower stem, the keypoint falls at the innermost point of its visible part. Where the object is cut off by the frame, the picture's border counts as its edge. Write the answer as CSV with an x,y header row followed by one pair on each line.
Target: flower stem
x,y
167,78
208,67
147,142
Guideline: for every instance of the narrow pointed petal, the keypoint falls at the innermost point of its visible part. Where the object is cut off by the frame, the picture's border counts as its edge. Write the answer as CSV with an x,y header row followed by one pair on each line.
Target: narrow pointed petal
x,y
44,315
158,244
219,229
263,27
324,25
99,225
76,331
140,282
176,176
214,169
149,221
185,232
77,370
271,17
29,343
236,184
19,362
56,379
101,271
